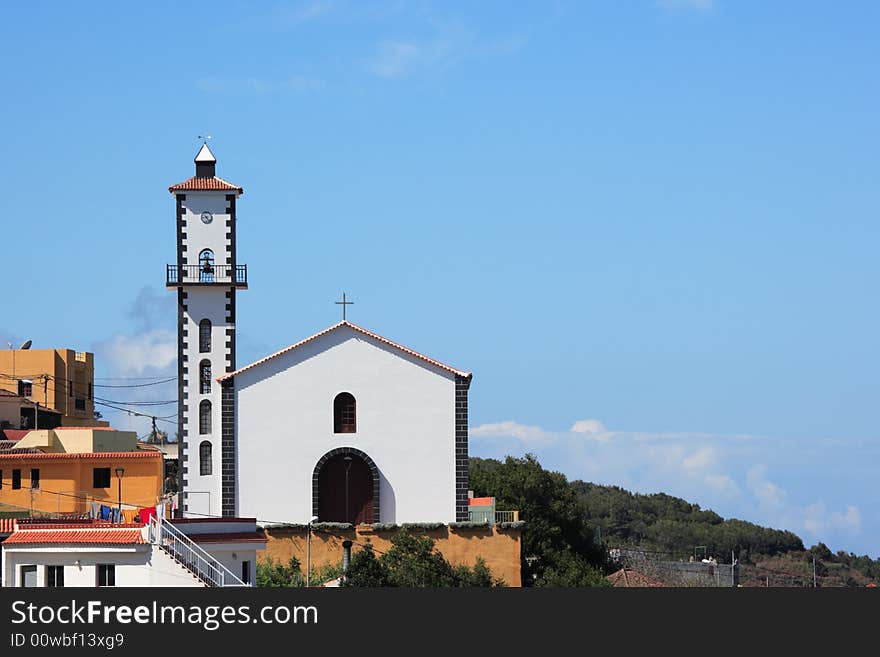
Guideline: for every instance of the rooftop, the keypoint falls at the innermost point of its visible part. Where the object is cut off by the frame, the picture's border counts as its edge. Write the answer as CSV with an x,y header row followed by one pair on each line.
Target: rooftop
x,y
363,331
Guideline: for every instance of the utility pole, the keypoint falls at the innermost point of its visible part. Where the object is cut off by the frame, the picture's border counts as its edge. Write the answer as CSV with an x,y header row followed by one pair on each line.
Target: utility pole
x,y
155,435
36,415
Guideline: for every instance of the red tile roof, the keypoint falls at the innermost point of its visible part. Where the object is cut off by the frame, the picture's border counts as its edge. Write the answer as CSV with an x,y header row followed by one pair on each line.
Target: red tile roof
x,y
79,536
15,434
481,501
205,184
7,525
58,523
88,456
363,331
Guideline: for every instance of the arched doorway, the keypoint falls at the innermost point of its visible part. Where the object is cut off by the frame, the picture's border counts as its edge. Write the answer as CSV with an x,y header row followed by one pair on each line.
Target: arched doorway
x,y
346,465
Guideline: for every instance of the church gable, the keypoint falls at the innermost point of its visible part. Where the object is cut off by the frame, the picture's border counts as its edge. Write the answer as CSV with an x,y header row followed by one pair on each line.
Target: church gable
x,y
330,338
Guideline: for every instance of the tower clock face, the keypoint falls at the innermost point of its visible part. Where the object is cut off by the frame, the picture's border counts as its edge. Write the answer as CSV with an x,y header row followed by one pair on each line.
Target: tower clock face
x,y
207,217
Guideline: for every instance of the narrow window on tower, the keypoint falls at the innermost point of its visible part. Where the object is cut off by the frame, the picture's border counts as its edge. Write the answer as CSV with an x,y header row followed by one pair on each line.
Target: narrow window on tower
x,y
205,458
206,266
205,416
344,413
205,376
205,336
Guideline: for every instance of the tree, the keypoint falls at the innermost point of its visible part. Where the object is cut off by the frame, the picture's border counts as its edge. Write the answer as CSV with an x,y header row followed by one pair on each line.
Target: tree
x,y
274,574
557,544
413,562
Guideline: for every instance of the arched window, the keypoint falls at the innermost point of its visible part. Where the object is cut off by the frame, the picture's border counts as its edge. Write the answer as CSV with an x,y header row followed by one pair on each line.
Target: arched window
x,y
205,377
205,335
344,413
206,266
205,465
205,416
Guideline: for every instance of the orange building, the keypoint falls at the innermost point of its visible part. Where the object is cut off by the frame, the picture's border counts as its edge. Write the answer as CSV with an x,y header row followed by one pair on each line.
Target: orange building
x,y
64,470
59,379
68,483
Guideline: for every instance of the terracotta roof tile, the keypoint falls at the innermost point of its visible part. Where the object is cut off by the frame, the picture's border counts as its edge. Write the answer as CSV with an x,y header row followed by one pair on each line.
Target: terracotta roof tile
x,y
79,536
84,455
205,185
15,434
354,327
7,525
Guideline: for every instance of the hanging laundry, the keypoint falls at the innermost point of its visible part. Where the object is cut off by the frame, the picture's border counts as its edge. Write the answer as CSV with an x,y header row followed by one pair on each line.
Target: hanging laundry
x,y
95,510
105,512
145,513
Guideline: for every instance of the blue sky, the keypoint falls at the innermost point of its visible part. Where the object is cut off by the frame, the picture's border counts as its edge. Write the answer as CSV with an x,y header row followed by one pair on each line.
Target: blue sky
x,y
649,228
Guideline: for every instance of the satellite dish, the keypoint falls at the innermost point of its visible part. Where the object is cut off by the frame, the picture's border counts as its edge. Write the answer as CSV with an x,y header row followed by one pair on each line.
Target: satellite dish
x,y
26,345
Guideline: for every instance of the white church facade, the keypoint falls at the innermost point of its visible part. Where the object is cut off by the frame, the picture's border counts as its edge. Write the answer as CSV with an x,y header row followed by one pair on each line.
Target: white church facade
x,y
344,425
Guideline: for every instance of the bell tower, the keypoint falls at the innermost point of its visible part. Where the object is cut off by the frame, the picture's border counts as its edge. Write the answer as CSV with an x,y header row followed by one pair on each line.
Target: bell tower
x,y
206,277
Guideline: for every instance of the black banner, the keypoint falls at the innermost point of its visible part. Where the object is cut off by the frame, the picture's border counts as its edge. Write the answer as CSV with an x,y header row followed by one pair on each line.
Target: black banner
x,y
128,621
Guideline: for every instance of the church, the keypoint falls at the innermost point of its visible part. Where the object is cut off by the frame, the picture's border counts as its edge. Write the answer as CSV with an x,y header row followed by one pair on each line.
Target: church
x,y
343,426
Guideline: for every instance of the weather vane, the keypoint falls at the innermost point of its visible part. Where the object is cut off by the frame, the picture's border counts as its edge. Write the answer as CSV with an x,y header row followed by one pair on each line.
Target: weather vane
x,y
205,138
343,303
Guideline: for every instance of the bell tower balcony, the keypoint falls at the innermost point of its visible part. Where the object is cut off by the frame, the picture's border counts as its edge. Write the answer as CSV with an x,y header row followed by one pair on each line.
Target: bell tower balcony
x,y
221,275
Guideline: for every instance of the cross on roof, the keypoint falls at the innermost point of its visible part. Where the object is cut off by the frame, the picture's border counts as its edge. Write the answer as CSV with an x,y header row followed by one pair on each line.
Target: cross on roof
x,y
343,303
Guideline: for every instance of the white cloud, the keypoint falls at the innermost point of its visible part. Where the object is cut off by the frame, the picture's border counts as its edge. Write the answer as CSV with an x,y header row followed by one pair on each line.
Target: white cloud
x,y
698,5
591,430
139,354
768,494
817,519
510,429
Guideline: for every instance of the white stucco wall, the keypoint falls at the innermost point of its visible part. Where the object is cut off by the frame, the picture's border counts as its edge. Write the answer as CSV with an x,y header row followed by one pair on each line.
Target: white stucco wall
x,y
204,492
141,565
405,423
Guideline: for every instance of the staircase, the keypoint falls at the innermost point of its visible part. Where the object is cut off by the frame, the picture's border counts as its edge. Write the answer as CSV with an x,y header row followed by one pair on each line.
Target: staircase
x,y
188,554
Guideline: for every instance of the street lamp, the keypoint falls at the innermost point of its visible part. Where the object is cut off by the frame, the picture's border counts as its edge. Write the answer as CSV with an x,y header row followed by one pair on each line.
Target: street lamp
x,y
347,460
309,551
119,473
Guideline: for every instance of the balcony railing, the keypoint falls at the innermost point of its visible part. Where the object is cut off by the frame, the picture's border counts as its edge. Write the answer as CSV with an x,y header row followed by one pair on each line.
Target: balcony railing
x,y
211,275
490,517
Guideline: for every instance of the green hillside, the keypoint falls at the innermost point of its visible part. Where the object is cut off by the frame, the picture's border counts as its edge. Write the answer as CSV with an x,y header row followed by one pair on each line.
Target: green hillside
x,y
569,525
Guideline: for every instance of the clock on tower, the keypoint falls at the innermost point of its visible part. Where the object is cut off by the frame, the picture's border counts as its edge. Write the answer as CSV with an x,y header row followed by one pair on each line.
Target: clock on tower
x,y
206,277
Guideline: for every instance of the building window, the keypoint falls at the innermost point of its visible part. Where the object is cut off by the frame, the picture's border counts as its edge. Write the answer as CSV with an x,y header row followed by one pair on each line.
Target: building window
x,y
25,388
246,572
205,377
101,478
16,479
205,458
70,388
344,413
205,416
27,576
106,574
80,404
205,336
35,477
54,576
206,266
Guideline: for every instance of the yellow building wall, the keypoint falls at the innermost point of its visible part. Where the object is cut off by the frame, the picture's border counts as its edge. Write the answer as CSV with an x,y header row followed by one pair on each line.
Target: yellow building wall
x,y
66,481
500,549
51,371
